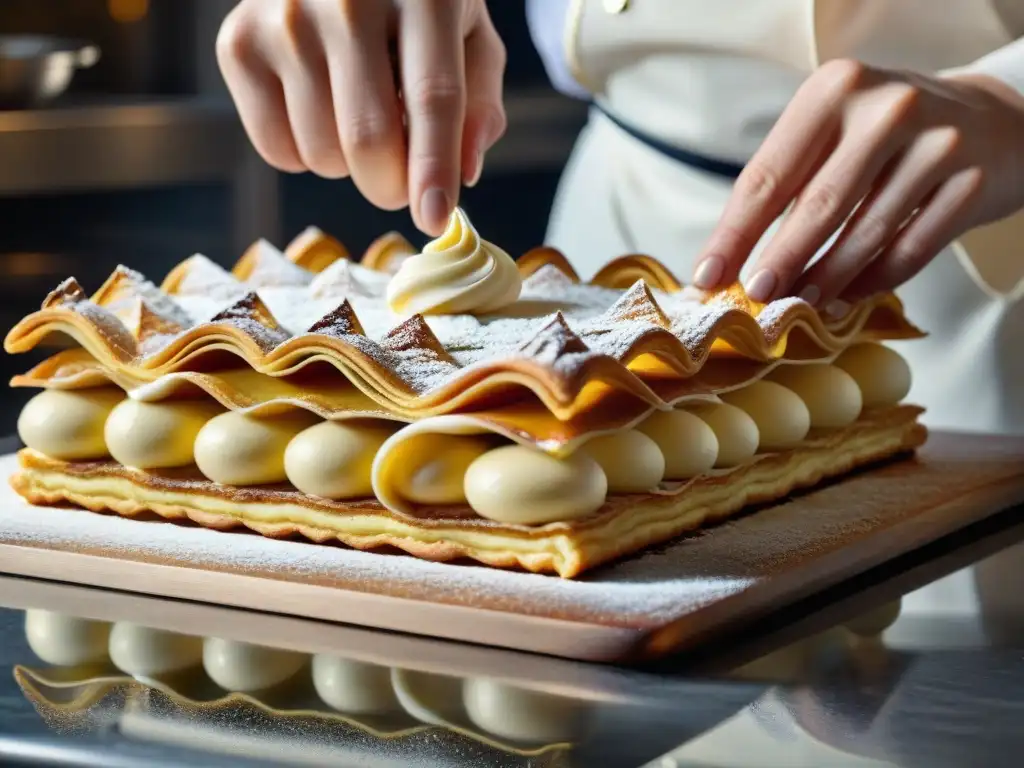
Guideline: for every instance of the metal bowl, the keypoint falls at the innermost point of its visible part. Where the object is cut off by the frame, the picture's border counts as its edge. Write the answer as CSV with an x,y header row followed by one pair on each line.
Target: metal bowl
x,y
35,69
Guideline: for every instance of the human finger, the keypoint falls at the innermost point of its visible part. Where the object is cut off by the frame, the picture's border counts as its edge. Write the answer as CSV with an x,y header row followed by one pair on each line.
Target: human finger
x,y
912,179
295,47
257,92
364,94
485,120
944,216
434,92
824,204
794,149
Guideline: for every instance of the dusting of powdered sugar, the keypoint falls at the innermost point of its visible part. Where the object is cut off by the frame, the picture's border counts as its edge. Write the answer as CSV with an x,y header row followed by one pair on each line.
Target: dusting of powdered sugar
x,y
270,267
772,318
344,278
69,295
158,302
245,315
556,322
205,279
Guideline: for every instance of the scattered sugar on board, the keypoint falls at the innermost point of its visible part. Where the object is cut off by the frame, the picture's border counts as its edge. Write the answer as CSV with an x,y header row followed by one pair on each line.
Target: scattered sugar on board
x,y
648,588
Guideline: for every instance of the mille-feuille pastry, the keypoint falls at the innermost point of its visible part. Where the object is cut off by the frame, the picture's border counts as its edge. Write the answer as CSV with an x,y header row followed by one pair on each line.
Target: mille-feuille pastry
x,y
451,403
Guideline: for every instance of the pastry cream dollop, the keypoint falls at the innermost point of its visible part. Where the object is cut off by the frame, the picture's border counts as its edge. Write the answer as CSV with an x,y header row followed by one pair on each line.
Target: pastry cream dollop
x,y
831,394
146,652
525,486
354,687
431,468
737,434
688,444
519,714
781,416
632,461
66,641
246,668
68,425
237,449
458,273
333,459
156,435
881,373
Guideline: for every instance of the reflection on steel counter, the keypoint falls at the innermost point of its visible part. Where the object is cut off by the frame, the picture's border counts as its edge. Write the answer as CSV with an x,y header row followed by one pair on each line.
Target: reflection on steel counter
x,y
179,689
253,701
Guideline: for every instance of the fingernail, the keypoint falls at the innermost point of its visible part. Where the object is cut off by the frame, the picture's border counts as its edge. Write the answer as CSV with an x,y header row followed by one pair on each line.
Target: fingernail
x,y
837,309
478,169
709,273
811,294
434,208
761,286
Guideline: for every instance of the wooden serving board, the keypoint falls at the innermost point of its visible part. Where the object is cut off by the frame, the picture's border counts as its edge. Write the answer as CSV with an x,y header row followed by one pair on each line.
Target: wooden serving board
x,y
664,601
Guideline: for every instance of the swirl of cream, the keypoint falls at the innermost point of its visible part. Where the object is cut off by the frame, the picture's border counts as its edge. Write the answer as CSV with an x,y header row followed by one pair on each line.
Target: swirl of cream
x,y
458,273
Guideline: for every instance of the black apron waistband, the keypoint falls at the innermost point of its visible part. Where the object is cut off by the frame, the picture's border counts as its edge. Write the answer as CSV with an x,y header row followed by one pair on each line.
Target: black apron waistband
x,y
724,168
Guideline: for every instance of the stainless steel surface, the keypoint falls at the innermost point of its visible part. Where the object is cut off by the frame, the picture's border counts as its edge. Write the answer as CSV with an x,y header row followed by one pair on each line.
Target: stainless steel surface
x,y
99,147
35,69
118,146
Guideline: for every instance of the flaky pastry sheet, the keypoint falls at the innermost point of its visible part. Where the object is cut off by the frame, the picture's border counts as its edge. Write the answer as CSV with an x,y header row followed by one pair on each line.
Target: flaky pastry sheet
x,y
632,329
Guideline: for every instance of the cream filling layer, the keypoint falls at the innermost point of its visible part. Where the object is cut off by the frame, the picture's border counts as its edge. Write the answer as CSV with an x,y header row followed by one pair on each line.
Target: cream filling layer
x,y
146,652
334,459
66,641
453,460
238,449
247,668
68,424
516,484
157,435
831,395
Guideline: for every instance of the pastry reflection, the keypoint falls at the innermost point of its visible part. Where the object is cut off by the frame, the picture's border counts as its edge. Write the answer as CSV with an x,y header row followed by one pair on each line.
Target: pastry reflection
x,y
226,694
829,693
857,640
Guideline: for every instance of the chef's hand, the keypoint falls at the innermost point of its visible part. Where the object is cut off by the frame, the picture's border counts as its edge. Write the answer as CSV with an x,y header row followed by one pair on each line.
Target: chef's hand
x,y
317,91
909,162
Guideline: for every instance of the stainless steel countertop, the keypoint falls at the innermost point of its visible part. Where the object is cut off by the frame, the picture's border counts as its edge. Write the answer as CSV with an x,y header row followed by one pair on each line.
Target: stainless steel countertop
x,y
127,144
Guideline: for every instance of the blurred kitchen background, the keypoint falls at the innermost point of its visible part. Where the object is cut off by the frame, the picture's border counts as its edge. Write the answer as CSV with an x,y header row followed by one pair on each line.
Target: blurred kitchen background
x,y
142,160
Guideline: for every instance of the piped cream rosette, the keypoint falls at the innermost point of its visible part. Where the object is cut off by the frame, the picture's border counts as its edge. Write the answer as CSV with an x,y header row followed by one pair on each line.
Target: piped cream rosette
x,y
458,273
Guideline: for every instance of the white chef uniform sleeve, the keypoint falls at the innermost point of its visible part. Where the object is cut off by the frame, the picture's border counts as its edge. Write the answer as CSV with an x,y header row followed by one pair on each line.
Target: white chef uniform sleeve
x,y
991,254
